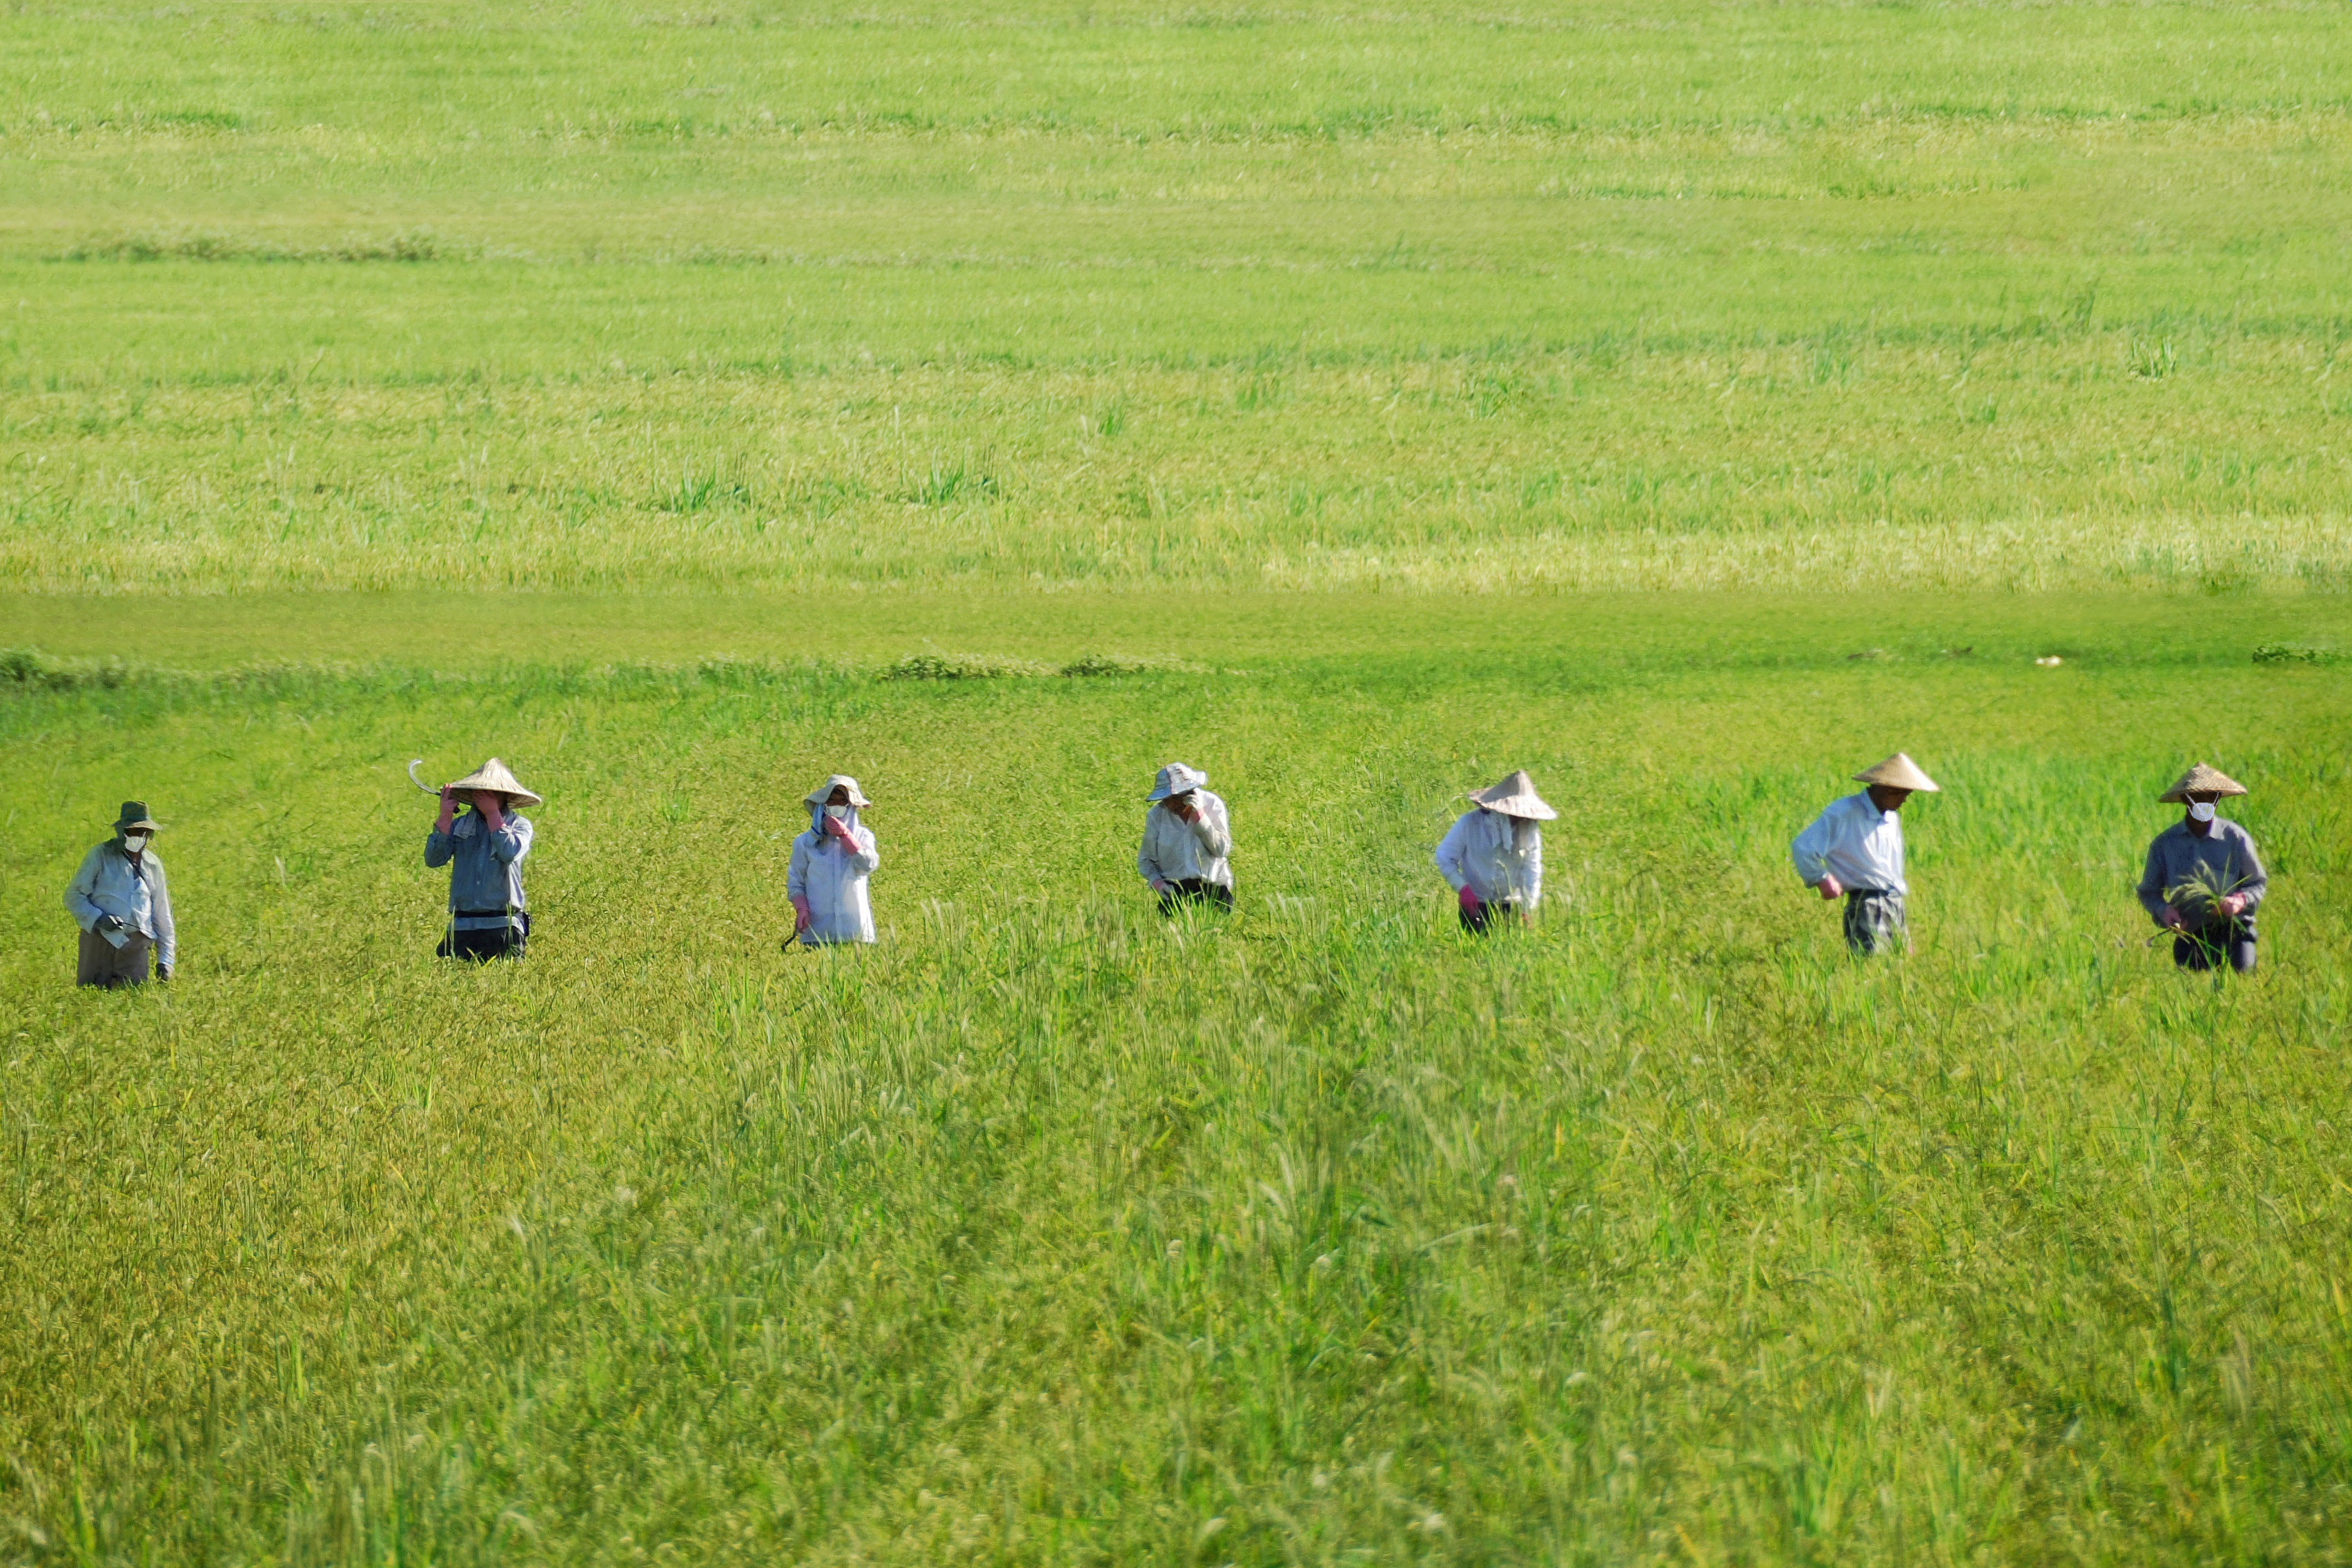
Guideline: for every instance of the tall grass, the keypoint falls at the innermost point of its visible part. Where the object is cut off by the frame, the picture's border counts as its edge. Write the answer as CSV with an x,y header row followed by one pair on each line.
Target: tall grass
x,y
1047,1232
1692,296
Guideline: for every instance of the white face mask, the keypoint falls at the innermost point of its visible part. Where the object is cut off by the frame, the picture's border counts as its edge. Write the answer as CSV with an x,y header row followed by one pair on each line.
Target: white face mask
x,y
838,812
2201,810
134,843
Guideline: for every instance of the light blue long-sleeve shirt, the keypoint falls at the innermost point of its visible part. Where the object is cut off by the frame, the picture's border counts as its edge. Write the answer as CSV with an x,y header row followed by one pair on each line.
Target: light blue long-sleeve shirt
x,y
486,878
1855,842
138,896
1486,852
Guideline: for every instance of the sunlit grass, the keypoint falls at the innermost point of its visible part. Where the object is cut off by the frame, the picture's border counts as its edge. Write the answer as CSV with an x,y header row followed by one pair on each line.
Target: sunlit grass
x,y
1045,1231
1697,296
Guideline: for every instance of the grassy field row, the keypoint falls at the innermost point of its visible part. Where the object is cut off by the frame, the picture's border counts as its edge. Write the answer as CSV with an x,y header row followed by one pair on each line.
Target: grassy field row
x,y
1803,298
1047,1233
2185,456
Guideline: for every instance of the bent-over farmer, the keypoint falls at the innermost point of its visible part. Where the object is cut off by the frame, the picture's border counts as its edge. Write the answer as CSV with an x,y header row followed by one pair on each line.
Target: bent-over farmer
x,y
1854,851
2204,880
1188,841
123,906
831,863
488,915
1493,855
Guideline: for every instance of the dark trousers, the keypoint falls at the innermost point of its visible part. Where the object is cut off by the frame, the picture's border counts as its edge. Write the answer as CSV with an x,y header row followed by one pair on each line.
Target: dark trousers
x,y
1479,919
1875,921
2208,946
1195,890
104,964
509,941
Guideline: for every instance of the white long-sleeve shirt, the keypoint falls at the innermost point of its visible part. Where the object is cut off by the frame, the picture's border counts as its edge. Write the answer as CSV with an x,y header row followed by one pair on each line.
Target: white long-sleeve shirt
x,y
138,896
1855,842
1478,852
1175,850
833,880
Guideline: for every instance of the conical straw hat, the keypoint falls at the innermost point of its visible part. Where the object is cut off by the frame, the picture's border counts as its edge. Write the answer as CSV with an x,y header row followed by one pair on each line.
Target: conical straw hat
x,y
2202,779
824,792
1514,796
495,775
1899,772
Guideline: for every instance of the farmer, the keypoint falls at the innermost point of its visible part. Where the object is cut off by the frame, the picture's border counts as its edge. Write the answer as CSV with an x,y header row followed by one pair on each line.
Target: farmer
x,y
1854,851
831,863
489,916
1187,837
1493,855
2203,881
123,906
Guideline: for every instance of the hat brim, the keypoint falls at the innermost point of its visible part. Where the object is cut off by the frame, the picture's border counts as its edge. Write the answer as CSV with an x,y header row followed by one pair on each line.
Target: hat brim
x,y
2180,794
512,796
144,824
1526,807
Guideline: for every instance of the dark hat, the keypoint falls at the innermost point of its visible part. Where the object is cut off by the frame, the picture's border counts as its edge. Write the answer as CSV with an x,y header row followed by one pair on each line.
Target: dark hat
x,y
134,819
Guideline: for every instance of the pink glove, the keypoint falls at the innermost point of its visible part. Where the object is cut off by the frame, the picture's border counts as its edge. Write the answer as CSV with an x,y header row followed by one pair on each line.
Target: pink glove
x,y
1469,903
801,916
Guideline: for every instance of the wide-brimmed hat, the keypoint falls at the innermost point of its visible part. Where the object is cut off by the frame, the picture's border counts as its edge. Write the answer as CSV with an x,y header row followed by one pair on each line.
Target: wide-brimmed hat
x,y
498,779
2202,779
1514,796
1899,772
824,792
134,818
1176,779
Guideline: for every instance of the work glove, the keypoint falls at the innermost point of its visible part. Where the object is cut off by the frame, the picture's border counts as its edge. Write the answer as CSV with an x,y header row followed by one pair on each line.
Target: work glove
x,y
107,925
1469,901
163,975
801,916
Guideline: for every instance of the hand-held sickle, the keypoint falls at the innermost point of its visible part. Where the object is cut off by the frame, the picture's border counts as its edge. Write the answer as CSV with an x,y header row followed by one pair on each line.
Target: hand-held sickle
x,y
419,783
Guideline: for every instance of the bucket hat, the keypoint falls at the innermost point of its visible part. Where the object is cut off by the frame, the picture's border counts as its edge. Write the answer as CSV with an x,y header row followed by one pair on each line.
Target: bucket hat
x,y
824,792
1176,779
1899,772
1514,796
498,778
134,819
2202,779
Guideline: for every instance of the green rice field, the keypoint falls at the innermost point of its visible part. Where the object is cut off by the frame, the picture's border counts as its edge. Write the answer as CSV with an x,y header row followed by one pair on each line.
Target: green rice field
x,y
1689,404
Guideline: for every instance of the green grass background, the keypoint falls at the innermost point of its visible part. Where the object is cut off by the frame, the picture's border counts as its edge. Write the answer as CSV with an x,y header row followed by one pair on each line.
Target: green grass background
x,y
1688,403
590,298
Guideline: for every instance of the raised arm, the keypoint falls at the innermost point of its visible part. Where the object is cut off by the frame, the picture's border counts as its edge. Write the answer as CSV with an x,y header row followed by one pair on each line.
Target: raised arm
x,y
512,840
1213,827
868,855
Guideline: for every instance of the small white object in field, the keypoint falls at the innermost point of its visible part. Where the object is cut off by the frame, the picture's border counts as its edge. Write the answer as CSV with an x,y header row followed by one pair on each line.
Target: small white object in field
x,y
2050,661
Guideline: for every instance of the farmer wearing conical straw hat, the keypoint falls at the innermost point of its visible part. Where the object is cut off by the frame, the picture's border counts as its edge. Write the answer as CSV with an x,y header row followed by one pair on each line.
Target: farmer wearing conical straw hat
x,y
2204,881
1188,839
830,865
1493,855
489,916
1854,851
123,906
